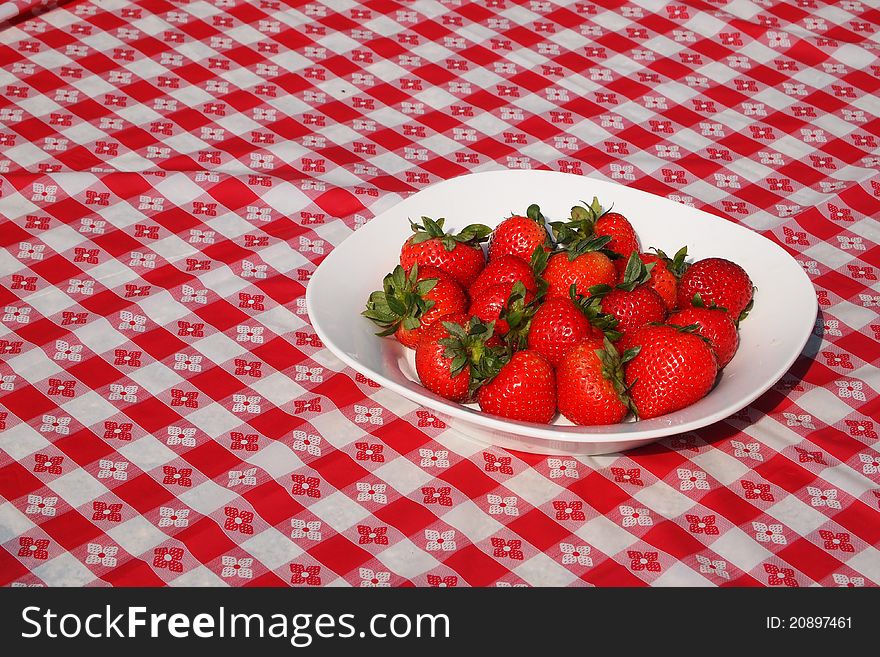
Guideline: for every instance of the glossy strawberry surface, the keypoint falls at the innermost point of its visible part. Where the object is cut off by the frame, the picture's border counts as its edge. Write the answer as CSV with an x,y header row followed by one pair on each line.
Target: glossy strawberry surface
x,y
464,262
556,327
715,325
584,395
586,270
517,236
633,309
505,270
524,389
717,281
623,237
672,370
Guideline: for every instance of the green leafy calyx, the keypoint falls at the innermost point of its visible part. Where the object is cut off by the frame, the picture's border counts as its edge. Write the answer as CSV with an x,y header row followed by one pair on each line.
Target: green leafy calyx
x,y
580,228
401,302
745,311
613,370
699,302
518,313
471,235
533,212
591,307
636,273
676,264
467,346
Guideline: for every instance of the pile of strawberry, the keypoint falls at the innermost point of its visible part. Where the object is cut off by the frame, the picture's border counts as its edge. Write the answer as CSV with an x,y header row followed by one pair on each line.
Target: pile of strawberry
x,y
569,317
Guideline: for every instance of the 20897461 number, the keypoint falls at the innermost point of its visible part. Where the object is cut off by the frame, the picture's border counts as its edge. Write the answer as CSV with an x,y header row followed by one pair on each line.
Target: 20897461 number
x,y
809,623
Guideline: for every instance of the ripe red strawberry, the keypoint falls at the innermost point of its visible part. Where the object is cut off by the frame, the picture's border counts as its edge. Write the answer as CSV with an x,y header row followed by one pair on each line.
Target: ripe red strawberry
x,y
674,368
519,236
559,324
410,303
664,274
719,282
489,305
460,256
590,386
497,303
581,268
623,237
505,270
632,302
634,308
523,389
716,326
447,352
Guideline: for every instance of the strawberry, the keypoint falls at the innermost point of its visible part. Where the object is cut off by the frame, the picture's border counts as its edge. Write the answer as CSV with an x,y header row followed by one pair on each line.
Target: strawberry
x,y
507,308
714,324
718,282
674,368
588,221
583,266
449,350
523,389
634,308
623,237
410,303
505,270
561,323
633,302
590,383
460,256
519,236
664,274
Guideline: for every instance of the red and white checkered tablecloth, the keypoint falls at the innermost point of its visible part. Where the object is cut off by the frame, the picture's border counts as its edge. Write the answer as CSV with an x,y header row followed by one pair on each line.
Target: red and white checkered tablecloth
x,y
173,171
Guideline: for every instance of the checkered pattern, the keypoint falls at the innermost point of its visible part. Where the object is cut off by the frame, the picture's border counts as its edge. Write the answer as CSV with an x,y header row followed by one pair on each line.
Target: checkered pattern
x,y
174,171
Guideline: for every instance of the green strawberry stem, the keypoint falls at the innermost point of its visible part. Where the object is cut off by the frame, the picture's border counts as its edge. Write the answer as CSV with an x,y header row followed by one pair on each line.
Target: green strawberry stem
x,y
588,212
579,228
471,235
539,260
690,328
591,307
467,347
745,311
636,273
538,263
612,370
533,212
676,264
518,314
400,302
698,302
575,234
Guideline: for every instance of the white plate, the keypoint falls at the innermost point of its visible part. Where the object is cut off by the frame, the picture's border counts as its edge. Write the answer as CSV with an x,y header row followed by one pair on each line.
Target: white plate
x,y
770,339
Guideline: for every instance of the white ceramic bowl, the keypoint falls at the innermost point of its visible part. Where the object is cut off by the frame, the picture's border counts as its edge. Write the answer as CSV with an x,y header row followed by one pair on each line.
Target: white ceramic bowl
x,y
770,339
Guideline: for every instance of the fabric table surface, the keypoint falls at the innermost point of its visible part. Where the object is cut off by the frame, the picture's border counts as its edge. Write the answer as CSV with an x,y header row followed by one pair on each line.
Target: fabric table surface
x,y
174,171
